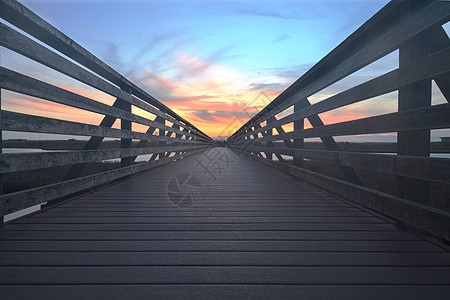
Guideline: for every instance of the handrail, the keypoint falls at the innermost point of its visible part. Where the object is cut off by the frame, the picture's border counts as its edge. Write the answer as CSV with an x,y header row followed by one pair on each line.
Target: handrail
x,y
415,29
170,143
20,16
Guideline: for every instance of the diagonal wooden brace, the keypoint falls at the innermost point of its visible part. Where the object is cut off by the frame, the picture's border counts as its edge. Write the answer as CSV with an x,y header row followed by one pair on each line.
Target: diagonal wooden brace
x,y
149,131
329,142
93,143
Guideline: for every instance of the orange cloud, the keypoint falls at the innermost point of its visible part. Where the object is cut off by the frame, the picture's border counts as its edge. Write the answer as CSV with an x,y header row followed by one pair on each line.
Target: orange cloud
x,y
38,107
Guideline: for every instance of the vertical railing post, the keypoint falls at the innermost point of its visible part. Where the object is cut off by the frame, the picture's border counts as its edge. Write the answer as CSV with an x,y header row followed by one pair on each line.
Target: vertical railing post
x,y
2,219
298,142
416,95
162,133
125,125
178,136
269,132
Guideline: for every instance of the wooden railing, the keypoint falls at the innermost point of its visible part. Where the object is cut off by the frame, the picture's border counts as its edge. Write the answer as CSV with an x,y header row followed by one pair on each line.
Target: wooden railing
x,y
415,29
173,141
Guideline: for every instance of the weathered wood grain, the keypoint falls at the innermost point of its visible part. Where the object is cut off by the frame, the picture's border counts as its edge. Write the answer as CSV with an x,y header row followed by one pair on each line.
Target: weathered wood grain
x,y
27,123
14,162
20,16
19,43
321,76
434,117
426,68
19,200
421,216
20,83
251,227
433,169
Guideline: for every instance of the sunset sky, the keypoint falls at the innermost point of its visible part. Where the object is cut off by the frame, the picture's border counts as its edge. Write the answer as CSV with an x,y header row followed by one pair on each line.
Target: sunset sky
x,y
216,63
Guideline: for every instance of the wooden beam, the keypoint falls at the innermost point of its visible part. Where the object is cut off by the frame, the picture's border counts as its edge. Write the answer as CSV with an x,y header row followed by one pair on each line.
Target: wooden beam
x,y
15,162
125,125
268,144
432,66
428,219
20,83
93,143
142,143
443,82
19,43
426,168
1,150
356,55
331,144
26,123
434,117
161,144
437,40
13,202
23,18
280,130
299,143
413,96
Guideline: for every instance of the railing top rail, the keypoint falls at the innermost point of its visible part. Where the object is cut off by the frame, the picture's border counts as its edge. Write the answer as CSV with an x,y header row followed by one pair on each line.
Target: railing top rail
x,y
398,176
383,21
150,133
22,17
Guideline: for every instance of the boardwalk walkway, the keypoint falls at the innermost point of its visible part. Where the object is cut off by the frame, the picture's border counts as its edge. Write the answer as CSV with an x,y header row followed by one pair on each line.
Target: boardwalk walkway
x,y
252,233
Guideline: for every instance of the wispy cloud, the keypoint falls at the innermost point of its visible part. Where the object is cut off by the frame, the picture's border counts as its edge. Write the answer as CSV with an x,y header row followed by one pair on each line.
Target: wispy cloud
x,y
282,37
287,11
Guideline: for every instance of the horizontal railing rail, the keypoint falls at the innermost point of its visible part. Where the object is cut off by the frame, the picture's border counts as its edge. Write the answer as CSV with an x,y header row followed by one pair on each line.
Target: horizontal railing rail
x,y
418,189
169,137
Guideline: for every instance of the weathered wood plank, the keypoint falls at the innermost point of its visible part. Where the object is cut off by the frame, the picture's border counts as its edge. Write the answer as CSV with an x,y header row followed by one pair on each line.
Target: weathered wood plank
x,y
230,275
199,220
436,13
433,169
92,144
426,68
226,291
19,43
206,227
205,235
285,259
16,201
434,117
13,162
426,218
20,16
418,246
20,83
27,123
248,228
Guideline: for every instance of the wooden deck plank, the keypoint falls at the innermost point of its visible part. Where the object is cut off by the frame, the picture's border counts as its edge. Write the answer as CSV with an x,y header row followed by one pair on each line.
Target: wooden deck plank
x,y
253,232
266,226
288,259
249,214
224,274
220,245
228,291
207,235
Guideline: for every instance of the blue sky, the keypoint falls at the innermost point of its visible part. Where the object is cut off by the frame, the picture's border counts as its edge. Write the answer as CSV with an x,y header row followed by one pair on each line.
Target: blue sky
x,y
209,60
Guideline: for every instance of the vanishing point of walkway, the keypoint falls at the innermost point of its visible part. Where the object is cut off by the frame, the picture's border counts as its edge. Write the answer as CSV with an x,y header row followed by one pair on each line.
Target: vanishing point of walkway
x,y
251,233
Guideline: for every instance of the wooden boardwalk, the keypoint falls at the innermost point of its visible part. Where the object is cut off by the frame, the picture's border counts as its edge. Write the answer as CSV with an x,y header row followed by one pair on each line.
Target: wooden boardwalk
x,y
252,233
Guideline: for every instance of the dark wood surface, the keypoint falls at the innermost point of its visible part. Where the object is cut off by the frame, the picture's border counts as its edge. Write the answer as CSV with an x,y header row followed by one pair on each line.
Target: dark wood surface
x,y
252,233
